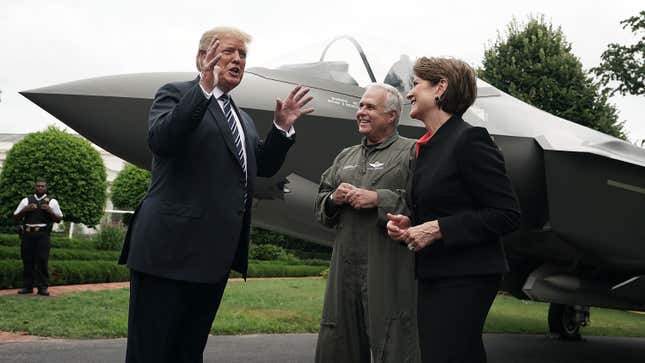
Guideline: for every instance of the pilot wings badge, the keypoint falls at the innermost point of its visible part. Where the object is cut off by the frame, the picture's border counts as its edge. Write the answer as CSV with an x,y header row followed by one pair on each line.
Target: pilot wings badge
x,y
376,165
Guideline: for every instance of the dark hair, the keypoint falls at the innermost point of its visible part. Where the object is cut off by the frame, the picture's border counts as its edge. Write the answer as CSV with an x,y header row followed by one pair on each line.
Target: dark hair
x,y
40,180
462,83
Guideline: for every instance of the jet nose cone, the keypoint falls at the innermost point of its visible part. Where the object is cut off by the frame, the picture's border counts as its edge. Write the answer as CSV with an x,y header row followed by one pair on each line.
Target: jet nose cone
x,y
112,112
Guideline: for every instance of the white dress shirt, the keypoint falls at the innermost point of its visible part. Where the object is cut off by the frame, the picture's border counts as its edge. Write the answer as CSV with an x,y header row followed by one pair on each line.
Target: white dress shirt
x,y
53,204
217,93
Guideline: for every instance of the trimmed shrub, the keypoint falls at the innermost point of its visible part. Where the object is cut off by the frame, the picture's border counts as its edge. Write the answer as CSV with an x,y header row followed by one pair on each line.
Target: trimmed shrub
x,y
266,252
9,253
13,253
73,169
10,274
86,272
83,255
110,238
73,243
272,269
7,239
325,273
57,242
301,248
312,255
66,272
128,188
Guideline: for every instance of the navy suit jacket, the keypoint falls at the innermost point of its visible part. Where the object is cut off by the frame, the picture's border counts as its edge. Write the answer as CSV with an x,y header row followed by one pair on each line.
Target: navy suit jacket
x,y
460,180
193,224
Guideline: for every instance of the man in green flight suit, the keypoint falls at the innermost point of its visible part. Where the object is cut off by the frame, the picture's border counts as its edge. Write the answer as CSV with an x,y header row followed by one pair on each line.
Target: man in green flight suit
x,y
369,312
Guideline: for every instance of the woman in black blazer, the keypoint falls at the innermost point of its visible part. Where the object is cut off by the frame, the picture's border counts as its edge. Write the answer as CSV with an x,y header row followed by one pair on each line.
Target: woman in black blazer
x,y
462,202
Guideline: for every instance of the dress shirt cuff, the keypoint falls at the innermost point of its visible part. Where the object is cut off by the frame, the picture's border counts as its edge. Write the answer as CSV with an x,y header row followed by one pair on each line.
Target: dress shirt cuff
x,y
206,94
288,133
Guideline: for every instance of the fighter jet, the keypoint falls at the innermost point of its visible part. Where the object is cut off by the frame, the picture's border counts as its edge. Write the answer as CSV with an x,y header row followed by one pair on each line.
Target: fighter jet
x,y
582,193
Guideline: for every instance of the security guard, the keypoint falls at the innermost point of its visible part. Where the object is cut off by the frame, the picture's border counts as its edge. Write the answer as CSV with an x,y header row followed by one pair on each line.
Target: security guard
x,y
36,214
369,311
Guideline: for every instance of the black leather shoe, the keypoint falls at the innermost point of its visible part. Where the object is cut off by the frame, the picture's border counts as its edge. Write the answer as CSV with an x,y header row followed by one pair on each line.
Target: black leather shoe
x,y
43,292
25,290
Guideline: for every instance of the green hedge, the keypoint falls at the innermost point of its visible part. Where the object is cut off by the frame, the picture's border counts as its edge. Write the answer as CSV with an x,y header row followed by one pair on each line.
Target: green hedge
x,y
266,252
309,255
57,242
87,272
110,238
273,269
66,272
13,253
290,259
301,248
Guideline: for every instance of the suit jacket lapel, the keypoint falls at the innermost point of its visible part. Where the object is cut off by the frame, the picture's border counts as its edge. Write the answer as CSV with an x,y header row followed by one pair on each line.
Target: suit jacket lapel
x,y
220,121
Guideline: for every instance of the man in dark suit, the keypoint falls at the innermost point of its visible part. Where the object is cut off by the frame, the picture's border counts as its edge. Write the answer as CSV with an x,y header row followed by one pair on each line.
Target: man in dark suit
x,y
192,227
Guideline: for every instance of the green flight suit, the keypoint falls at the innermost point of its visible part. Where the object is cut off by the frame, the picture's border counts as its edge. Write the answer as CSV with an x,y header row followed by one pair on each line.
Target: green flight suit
x,y
370,299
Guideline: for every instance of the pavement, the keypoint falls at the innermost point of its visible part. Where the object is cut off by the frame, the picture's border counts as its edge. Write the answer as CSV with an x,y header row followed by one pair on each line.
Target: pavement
x,y
296,348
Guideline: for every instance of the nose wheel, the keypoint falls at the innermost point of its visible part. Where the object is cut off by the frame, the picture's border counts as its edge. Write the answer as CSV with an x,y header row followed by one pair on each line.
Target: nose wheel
x,y
565,321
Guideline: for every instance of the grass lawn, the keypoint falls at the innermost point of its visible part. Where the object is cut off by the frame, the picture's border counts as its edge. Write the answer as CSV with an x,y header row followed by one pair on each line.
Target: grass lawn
x,y
261,306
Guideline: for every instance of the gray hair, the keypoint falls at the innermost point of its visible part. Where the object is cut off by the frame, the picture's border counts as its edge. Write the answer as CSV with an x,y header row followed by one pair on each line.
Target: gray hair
x,y
393,99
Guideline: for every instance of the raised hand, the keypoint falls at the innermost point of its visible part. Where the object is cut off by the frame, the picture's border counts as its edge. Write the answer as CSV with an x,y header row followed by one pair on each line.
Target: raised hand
x,y
289,110
209,68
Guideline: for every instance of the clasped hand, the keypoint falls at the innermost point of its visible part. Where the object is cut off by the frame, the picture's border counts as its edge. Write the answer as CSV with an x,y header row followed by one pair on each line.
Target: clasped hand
x,y
358,198
418,237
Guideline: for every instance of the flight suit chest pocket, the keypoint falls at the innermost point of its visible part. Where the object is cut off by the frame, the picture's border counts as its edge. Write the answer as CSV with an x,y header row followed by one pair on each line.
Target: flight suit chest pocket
x,y
391,177
348,172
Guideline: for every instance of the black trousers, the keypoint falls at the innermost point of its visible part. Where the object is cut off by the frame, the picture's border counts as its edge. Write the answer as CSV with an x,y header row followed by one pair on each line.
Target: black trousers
x,y
34,251
451,316
169,320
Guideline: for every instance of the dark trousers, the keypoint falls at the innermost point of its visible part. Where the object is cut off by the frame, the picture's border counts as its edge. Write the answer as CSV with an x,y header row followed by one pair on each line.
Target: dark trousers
x,y
451,316
34,251
169,320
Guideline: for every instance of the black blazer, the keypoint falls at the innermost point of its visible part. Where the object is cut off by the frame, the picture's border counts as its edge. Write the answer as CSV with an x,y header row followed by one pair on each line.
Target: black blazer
x,y
193,224
460,180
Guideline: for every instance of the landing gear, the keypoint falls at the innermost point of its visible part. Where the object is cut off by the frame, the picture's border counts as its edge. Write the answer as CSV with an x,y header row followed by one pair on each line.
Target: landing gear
x,y
565,320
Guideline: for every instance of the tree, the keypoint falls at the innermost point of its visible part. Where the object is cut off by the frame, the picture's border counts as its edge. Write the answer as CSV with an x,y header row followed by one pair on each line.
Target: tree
x,y
625,64
129,187
73,169
535,64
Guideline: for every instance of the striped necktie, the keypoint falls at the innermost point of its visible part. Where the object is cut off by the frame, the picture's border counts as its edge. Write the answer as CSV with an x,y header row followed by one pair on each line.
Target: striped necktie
x,y
237,141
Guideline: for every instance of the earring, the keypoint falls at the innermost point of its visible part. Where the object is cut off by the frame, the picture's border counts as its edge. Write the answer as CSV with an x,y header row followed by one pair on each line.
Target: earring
x,y
437,100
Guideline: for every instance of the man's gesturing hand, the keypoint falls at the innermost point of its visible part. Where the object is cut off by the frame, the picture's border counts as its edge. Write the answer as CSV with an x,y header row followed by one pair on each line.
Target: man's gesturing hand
x,y
289,110
209,68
